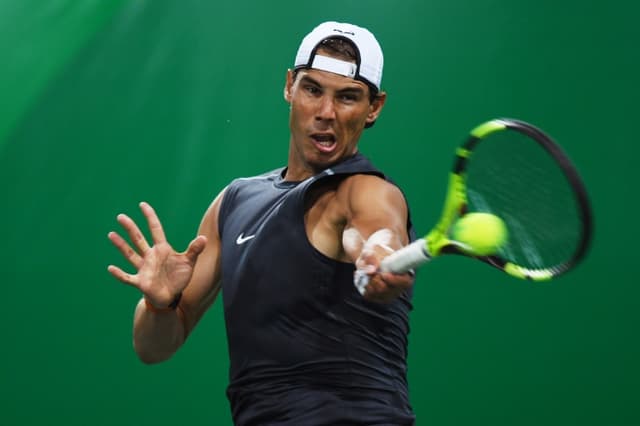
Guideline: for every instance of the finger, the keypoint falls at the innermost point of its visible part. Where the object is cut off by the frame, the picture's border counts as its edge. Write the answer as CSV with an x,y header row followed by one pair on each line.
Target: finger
x,y
380,293
397,280
157,233
126,250
367,263
375,286
195,248
368,257
383,293
122,276
138,240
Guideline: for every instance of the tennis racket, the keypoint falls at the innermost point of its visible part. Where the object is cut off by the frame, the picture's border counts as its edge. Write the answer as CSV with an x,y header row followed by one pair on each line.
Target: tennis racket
x,y
512,170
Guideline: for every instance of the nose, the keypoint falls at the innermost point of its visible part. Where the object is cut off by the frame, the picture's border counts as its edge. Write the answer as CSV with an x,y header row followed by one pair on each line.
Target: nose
x,y
326,109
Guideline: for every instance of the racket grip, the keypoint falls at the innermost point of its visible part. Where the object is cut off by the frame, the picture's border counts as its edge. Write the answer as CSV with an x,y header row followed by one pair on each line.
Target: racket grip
x,y
407,258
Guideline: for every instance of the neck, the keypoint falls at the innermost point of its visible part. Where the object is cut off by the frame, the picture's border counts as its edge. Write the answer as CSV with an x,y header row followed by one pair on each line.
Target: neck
x,y
297,171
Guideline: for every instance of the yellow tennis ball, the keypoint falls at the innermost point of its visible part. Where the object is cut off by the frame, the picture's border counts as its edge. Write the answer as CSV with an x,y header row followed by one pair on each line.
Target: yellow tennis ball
x,y
482,233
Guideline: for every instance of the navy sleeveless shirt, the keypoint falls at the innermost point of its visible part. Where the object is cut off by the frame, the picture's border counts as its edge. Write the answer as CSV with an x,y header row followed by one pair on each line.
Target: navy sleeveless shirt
x,y
305,347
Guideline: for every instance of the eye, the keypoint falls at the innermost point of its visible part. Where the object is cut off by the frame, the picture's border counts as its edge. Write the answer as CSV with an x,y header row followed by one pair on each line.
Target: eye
x,y
349,97
311,89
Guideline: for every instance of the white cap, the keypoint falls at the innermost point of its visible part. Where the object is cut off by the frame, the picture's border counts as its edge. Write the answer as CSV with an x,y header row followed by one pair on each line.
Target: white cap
x,y
368,66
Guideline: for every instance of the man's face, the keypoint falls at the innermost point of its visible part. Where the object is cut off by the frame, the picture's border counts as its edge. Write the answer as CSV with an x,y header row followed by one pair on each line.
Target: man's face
x,y
328,114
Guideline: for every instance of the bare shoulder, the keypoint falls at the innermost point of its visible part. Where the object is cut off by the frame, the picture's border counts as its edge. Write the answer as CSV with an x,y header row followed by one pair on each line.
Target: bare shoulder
x,y
364,190
209,223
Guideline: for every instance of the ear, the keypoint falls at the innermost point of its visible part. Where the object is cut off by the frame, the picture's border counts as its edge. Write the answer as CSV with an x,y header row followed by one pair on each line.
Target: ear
x,y
288,86
376,107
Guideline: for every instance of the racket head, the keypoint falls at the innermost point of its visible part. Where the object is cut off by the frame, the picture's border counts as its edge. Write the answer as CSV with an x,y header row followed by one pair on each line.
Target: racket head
x,y
515,171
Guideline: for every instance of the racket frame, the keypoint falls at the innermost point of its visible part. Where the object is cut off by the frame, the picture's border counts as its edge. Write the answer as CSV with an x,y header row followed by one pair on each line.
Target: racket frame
x,y
437,242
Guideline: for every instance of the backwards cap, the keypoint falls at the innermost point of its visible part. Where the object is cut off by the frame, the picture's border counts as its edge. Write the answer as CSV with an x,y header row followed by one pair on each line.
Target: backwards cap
x,y
369,61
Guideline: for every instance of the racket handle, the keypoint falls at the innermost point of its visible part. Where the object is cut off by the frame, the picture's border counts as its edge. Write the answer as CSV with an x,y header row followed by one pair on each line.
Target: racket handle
x,y
407,258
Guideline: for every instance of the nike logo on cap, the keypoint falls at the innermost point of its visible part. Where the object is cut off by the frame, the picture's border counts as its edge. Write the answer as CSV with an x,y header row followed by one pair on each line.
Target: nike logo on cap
x,y
242,239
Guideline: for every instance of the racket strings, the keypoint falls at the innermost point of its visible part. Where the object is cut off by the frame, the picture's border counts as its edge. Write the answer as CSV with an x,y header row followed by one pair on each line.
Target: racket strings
x,y
514,177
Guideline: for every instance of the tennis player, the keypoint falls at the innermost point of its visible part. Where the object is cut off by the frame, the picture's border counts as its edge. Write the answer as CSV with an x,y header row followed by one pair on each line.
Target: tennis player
x,y
306,346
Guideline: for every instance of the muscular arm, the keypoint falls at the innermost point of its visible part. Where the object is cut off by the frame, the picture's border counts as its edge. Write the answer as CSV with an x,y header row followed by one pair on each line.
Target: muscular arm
x,y
376,225
157,334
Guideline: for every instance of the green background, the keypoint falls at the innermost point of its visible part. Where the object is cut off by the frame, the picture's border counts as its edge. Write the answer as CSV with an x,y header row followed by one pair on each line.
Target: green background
x,y
104,104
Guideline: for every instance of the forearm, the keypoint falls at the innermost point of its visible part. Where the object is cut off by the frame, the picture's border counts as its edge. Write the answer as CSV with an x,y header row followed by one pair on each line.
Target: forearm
x,y
156,335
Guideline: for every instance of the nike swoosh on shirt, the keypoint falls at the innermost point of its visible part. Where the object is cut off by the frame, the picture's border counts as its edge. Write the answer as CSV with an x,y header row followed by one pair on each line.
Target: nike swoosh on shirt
x,y
242,239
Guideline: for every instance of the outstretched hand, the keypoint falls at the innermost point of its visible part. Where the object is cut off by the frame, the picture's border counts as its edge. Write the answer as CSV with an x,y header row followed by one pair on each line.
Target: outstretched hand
x,y
161,272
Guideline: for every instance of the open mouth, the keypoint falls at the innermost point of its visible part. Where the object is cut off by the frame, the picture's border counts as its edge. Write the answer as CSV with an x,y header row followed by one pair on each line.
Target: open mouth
x,y
325,142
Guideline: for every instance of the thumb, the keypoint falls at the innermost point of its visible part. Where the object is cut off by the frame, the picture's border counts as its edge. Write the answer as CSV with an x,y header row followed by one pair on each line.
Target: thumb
x,y
195,248
367,262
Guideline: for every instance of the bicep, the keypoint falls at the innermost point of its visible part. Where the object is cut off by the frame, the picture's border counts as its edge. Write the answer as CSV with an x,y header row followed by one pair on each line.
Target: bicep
x,y
205,281
374,205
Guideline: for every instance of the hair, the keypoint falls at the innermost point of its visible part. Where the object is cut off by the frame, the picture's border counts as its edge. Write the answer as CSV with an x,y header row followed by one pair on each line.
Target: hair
x,y
341,48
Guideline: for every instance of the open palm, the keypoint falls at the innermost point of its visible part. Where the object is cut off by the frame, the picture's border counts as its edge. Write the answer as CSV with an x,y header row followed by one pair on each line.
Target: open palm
x,y
162,273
